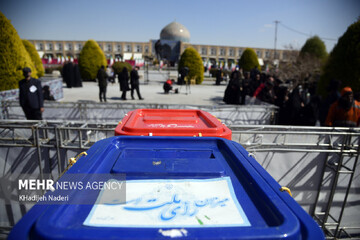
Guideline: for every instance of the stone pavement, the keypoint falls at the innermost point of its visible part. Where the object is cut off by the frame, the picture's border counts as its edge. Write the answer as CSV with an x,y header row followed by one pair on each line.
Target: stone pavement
x,y
205,94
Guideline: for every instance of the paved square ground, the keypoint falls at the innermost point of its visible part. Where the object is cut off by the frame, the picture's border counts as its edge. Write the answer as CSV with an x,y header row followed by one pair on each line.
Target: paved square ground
x,y
205,94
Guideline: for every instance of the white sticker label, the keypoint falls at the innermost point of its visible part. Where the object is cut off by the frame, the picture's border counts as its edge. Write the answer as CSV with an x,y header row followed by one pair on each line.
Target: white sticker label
x,y
172,125
32,89
171,203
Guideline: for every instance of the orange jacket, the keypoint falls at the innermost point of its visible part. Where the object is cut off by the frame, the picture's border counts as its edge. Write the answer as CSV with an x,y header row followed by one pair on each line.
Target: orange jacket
x,y
339,117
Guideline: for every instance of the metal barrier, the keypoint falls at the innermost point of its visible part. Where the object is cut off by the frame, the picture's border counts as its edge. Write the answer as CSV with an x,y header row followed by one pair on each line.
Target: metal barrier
x,y
107,112
318,164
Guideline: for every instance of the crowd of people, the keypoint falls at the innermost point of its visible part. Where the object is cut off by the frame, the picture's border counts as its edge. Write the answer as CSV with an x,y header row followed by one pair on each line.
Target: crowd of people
x,y
104,77
71,75
299,105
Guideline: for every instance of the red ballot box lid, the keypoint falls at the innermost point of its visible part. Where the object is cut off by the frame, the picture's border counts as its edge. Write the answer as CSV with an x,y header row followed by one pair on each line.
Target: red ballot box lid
x,y
172,122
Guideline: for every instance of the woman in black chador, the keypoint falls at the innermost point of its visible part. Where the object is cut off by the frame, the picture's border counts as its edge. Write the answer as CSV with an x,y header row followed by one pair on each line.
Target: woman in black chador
x,y
124,82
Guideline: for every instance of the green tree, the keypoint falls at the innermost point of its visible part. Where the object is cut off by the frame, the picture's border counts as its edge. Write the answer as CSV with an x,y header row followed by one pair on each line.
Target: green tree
x,y
249,60
118,67
191,58
90,60
344,61
13,55
34,57
314,47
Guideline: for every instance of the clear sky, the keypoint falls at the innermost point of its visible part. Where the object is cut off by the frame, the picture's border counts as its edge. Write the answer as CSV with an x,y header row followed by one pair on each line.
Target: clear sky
x,y
241,23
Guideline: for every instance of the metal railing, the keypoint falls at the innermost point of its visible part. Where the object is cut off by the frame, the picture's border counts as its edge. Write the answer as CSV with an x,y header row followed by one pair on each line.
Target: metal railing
x,y
114,112
341,148
341,144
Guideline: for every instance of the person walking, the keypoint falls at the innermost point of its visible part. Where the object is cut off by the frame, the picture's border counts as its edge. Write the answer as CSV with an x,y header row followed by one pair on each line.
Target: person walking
x,y
134,81
102,79
124,82
31,96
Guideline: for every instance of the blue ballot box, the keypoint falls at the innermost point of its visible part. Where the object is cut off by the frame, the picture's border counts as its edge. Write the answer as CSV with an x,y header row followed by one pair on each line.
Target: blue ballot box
x,y
176,187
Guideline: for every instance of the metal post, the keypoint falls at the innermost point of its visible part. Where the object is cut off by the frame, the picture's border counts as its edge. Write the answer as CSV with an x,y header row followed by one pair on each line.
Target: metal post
x,y
80,138
37,141
57,142
337,232
276,25
313,212
147,71
333,189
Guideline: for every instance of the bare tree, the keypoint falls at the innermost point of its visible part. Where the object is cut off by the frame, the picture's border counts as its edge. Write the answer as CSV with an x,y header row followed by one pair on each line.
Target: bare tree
x,y
299,69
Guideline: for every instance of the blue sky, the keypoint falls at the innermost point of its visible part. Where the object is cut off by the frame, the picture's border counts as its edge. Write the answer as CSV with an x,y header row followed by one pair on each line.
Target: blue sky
x,y
228,22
